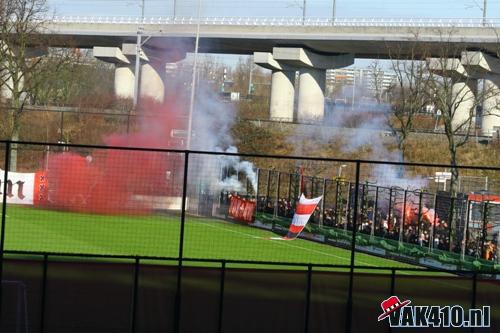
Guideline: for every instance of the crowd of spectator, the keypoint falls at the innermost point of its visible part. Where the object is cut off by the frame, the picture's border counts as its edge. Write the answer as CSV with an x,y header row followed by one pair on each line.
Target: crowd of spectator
x,y
385,225
388,226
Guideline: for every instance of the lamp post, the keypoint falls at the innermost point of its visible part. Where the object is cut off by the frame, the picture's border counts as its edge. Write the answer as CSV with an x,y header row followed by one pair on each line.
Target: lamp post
x,y
193,79
304,12
485,5
137,57
353,88
334,10
137,66
250,76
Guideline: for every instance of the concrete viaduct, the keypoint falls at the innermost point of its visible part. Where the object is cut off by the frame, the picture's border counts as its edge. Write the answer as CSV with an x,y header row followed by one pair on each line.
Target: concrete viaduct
x,y
286,46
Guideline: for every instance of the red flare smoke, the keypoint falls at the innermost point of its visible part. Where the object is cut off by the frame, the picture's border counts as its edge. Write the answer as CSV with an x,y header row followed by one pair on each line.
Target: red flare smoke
x,y
115,181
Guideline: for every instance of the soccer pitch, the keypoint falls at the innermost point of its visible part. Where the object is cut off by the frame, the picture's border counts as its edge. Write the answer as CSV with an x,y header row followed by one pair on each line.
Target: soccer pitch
x,y
40,230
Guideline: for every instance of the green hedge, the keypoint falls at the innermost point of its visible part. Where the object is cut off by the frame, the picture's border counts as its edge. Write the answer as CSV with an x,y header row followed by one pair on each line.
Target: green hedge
x,y
393,247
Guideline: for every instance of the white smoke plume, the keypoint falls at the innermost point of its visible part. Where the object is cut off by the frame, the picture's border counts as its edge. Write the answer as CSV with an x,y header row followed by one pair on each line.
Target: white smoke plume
x,y
211,127
238,165
362,125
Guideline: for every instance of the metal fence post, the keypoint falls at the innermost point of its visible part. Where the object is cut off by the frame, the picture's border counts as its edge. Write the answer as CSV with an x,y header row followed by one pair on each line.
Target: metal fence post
x,y
465,238
484,229
375,211
61,128
450,224
338,205
135,291
257,191
308,298
389,224
403,218
276,212
4,209
419,217
393,288
221,295
177,308
44,293
268,186
289,188
362,205
353,248
433,226
348,207
323,194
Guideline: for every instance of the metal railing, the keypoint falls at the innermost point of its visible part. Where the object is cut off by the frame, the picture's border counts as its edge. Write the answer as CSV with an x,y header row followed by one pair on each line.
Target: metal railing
x,y
285,21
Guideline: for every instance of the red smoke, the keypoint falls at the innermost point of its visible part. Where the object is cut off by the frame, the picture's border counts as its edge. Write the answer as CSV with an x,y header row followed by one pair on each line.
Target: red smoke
x,y
115,181
428,215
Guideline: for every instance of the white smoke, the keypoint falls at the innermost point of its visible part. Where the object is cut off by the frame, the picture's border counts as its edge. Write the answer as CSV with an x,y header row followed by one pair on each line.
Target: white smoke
x,y
230,184
211,127
360,126
239,166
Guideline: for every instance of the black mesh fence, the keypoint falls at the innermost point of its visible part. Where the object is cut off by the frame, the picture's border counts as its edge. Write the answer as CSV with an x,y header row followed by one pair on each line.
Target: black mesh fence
x,y
117,239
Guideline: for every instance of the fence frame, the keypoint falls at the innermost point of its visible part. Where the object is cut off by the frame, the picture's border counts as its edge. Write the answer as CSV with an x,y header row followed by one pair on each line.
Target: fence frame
x,y
181,259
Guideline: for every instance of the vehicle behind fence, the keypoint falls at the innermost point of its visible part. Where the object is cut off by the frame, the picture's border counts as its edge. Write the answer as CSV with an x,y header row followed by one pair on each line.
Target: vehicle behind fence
x,y
141,240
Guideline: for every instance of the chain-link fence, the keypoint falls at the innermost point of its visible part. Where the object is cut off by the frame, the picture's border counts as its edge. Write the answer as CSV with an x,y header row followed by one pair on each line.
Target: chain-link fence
x,y
194,231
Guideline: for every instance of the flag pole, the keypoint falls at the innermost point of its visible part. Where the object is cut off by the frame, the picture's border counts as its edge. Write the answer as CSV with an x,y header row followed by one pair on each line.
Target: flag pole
x,y
301,171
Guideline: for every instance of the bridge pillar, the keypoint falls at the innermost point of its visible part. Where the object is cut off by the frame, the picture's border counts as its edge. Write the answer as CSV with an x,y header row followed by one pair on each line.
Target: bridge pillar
x,y
491,105
282,87
152,71
312,68
483,66
7,86
152,81
463,90
311,101
124,81
463,95
282,95
124,70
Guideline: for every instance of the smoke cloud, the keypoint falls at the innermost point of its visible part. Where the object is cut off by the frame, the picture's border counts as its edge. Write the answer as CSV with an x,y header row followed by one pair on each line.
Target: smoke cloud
x,y
126,181
362,125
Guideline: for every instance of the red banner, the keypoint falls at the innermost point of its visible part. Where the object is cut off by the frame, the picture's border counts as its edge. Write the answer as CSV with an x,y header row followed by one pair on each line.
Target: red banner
x,y
41,188
241,209
25,188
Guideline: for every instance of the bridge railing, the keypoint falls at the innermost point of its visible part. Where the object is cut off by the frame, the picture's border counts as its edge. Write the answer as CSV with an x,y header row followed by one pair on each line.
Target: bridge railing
x,y
286,21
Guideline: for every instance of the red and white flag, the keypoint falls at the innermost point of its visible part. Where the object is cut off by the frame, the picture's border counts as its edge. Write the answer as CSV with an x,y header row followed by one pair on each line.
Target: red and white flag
x,y
305,208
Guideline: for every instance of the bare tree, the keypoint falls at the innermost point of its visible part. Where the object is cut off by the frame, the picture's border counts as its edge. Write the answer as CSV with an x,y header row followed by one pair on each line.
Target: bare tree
x,y
408,93
458,95
377,76
23,51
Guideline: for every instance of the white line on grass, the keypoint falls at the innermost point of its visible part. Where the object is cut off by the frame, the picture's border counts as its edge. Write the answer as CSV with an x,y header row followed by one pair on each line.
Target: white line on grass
x,y
287,243
282,243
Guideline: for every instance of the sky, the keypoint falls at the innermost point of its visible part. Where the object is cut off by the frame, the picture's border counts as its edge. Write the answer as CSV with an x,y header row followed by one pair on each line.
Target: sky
x,y
314,8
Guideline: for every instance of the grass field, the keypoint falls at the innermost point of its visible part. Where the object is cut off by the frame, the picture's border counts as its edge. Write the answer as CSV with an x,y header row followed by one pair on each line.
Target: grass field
x,y
30,229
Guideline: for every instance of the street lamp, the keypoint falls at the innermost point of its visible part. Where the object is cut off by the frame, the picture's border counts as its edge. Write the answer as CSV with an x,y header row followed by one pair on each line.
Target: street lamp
x,y
303,7
334,10
485,4
250,76
353,88
193,79
304,12
138,47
